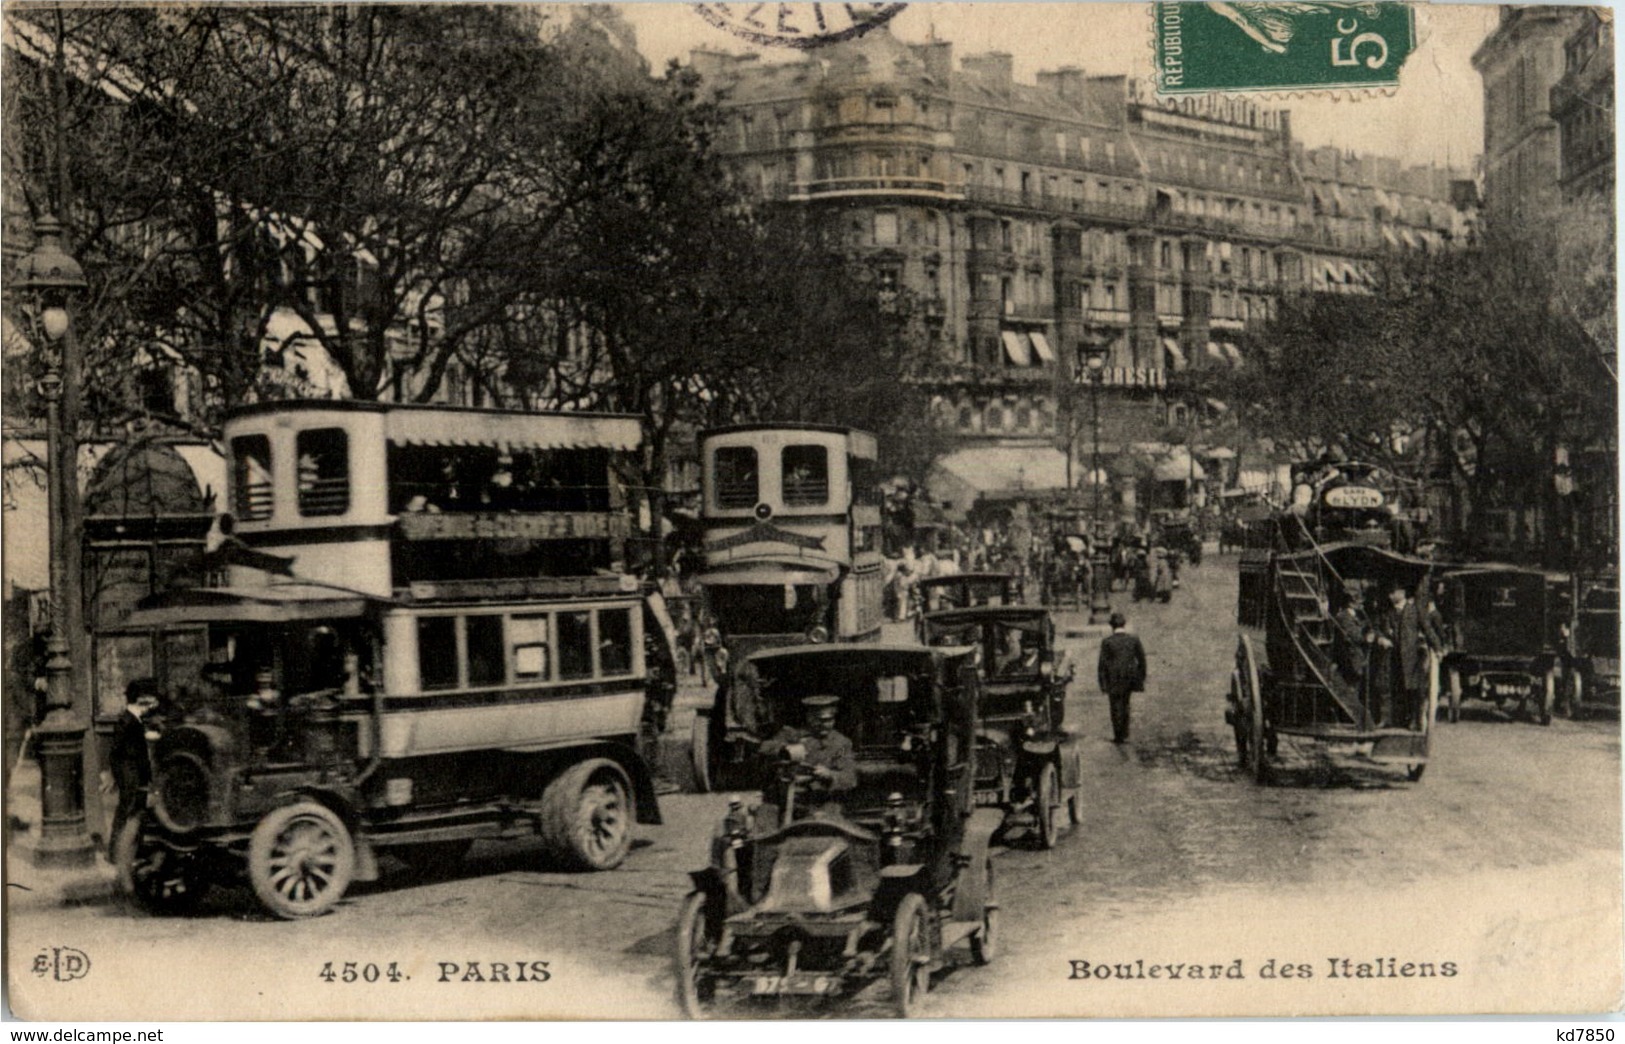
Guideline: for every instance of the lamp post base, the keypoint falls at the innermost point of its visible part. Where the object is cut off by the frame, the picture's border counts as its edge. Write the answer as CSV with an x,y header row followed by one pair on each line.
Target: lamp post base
x,y
63,839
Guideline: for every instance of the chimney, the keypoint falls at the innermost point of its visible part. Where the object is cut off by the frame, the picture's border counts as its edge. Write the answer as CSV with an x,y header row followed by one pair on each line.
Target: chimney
x,y
996,68
938,58
1067,82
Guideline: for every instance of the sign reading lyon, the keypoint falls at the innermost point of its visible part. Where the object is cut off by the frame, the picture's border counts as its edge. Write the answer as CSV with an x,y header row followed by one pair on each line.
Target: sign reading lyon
x,y
1353,497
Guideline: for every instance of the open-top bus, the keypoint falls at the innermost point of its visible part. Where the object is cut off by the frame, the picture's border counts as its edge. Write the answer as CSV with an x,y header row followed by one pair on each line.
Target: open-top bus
x,y
419,636
791,514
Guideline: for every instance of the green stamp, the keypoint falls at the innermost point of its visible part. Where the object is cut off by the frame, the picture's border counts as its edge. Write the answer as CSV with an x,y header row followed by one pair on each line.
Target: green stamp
x,y
1280,46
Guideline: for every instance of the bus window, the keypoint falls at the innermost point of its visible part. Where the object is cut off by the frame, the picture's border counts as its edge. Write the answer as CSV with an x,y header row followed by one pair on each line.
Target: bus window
x,y
575,645
734,468
486,659
529,637
324,471
437,652
805,471
864,475
251,478
614,641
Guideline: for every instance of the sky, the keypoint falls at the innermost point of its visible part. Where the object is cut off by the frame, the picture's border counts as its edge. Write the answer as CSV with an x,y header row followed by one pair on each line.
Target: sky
x,y
1435,116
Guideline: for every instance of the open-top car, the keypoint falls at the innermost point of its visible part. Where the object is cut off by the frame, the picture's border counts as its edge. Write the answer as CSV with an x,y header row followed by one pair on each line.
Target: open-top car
x,y
1027,764
812,897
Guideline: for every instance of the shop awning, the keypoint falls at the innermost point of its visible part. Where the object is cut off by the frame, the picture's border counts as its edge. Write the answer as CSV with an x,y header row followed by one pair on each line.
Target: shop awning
x,y
1330,270
410,427
273,604
1178,467
1015,347
1389,238
1411,239
759,572
1232,351
1215,351
1175,352
1041,345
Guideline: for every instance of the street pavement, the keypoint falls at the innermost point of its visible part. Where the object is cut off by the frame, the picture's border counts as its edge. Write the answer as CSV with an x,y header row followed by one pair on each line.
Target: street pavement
x,y
1503,863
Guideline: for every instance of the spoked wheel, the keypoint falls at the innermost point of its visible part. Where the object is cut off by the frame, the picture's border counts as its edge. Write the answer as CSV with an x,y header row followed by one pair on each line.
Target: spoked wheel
x,y
1453,678
300,860
1259,741
695,946
1240,714
1575,704
984,945
159,879
910,955
587,815
1074,812
1548,696
699,753
1047,806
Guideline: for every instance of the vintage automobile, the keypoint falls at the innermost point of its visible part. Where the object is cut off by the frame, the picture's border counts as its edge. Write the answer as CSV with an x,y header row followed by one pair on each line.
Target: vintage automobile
x,y
1504,631
417,638
1027,764
964,591
821,904
1593,667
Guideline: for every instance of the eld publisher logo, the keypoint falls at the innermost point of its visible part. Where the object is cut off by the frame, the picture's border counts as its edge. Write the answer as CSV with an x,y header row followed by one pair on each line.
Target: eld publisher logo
x,y
62,963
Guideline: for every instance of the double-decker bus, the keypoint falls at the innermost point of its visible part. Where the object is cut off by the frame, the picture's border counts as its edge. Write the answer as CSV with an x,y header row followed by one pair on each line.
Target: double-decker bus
x,y
792,530
419,636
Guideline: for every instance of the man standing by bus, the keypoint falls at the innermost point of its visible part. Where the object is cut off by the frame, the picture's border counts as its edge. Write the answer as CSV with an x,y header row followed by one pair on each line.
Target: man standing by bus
x,y
1408,635
1121,673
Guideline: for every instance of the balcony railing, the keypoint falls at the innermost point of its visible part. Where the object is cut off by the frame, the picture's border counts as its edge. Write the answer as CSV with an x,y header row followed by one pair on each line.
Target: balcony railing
x,y
878,185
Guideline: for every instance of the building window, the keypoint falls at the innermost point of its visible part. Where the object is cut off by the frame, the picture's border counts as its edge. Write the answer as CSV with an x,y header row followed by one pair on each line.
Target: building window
x,y
1006,236
734,470
995,418
324,471
965,418
1024,418
885,228
1166,256
251,477
804,474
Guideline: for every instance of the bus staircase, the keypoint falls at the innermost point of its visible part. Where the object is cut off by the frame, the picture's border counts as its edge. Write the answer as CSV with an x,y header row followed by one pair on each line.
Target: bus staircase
x,y
1311,697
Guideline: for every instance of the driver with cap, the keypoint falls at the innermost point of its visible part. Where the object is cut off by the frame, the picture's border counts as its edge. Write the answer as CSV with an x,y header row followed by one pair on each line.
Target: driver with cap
x,y
819,747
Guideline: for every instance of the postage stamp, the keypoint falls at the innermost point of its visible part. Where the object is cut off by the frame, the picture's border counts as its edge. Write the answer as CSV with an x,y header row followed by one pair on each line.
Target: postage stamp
x,y
801,26
1281,46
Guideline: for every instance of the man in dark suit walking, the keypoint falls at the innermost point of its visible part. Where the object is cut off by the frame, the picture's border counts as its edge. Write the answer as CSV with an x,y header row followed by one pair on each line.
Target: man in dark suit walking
x,y
1121,673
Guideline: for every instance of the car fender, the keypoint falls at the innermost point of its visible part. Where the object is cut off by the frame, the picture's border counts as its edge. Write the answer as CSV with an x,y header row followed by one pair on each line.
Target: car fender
x,y
970,894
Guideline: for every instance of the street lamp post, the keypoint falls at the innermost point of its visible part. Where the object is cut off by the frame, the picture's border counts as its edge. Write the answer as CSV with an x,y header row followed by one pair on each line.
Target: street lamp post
x,y
1094,351
52,278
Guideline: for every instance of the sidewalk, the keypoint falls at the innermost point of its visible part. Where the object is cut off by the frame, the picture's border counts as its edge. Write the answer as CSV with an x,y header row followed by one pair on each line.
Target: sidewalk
x,y
29,886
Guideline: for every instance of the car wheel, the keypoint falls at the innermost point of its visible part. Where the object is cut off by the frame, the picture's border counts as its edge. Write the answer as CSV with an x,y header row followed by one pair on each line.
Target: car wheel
x,y
1047,805
699,753
587,815
159,879
1453,679
694,947
301,860
1074,812
910,955
984,944
1548,695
